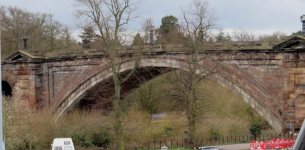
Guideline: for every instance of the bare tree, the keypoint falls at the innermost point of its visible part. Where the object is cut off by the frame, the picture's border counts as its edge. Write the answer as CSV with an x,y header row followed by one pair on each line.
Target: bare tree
x,y
198,21
241,34
53,32
147,23
44,32
109,17
20,22
276,36
66,36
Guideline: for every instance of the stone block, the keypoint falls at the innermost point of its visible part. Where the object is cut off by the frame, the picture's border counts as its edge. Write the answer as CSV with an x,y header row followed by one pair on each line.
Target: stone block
x,y
24,83
299,79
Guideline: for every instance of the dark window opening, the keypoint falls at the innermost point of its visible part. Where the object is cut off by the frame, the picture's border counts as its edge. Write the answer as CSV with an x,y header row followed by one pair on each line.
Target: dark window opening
x,y
296,130
258,45
6,89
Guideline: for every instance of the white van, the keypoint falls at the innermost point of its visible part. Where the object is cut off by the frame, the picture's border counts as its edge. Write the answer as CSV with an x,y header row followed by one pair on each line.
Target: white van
x,y
62,144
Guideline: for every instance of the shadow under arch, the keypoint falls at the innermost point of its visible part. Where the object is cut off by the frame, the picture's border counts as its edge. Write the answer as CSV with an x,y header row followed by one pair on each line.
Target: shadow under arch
x,y
232,78
6,89
103,91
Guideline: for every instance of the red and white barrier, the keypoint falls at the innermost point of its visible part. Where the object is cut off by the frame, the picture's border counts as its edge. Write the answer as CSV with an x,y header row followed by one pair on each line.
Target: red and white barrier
x,y
273,144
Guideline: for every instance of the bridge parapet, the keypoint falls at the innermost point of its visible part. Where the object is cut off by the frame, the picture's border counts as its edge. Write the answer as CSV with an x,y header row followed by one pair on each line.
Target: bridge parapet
x,y
261,46
152,48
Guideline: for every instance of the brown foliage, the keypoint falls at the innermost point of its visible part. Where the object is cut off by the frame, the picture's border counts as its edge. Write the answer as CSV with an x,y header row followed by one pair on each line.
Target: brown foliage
x,y
44,33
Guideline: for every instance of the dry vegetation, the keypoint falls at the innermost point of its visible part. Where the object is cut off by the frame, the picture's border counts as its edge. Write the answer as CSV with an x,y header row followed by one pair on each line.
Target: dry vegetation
x,y
24,128
227,114
223,111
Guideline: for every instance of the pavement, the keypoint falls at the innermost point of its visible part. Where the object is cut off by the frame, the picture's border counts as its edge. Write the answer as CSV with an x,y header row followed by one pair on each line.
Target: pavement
x,y
244,146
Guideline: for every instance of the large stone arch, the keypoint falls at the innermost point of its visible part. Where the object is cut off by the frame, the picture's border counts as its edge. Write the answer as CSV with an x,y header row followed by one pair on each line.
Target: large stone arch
x,y
230,77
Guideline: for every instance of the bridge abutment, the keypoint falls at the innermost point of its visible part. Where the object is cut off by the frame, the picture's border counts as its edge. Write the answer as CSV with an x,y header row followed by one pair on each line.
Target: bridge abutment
x,y
25,82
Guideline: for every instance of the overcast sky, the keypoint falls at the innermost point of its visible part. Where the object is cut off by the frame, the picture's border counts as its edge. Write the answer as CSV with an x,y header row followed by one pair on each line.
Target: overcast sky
x,y
259,16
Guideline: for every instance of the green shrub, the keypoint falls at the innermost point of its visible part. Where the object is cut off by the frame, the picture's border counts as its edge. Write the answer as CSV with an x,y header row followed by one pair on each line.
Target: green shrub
x,y
168,130
78,138
86,143
214,134
101,139
255,130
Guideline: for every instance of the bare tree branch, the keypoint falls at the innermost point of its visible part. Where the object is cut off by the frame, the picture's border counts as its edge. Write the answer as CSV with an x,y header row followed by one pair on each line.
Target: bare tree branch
x,y
241,34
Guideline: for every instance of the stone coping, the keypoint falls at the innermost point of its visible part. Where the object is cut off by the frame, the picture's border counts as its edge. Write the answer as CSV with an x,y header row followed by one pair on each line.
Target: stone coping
x,y
153,48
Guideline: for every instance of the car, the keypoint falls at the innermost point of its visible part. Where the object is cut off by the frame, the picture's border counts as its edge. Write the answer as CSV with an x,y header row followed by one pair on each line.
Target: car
x,y
208,148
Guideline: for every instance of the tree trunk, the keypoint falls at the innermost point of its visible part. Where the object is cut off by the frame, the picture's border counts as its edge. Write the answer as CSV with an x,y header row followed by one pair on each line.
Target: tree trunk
x,y
192,131
192,101
117,112
192,111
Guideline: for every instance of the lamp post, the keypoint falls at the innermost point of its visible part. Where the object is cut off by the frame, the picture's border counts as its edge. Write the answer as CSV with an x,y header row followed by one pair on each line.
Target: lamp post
x,y
25,38
303,24
152,29
185,137
85,42
1,124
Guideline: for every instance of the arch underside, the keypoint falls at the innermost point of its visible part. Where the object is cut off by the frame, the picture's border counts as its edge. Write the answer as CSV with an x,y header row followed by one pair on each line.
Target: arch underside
x,y
148,71
250,99
104,90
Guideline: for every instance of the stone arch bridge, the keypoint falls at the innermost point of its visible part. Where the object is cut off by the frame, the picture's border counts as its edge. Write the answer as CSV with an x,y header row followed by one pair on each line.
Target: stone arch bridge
x,y
269,76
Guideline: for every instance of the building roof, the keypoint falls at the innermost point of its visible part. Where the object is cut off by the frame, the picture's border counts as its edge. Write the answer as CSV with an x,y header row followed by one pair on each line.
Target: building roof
x,y
295,42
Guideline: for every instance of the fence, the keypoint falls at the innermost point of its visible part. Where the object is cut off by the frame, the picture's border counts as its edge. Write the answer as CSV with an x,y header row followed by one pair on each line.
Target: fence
x,y
212,141
216,141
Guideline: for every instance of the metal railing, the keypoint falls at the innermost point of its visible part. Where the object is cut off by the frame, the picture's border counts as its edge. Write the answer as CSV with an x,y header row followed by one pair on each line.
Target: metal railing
x,y
215,141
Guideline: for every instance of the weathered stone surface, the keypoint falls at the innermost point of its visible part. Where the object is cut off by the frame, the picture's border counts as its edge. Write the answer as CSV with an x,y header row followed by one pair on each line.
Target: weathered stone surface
x,y
270,80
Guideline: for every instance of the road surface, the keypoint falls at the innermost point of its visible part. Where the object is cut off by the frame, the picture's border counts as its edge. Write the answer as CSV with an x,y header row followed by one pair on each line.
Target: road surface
x,y
244,146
